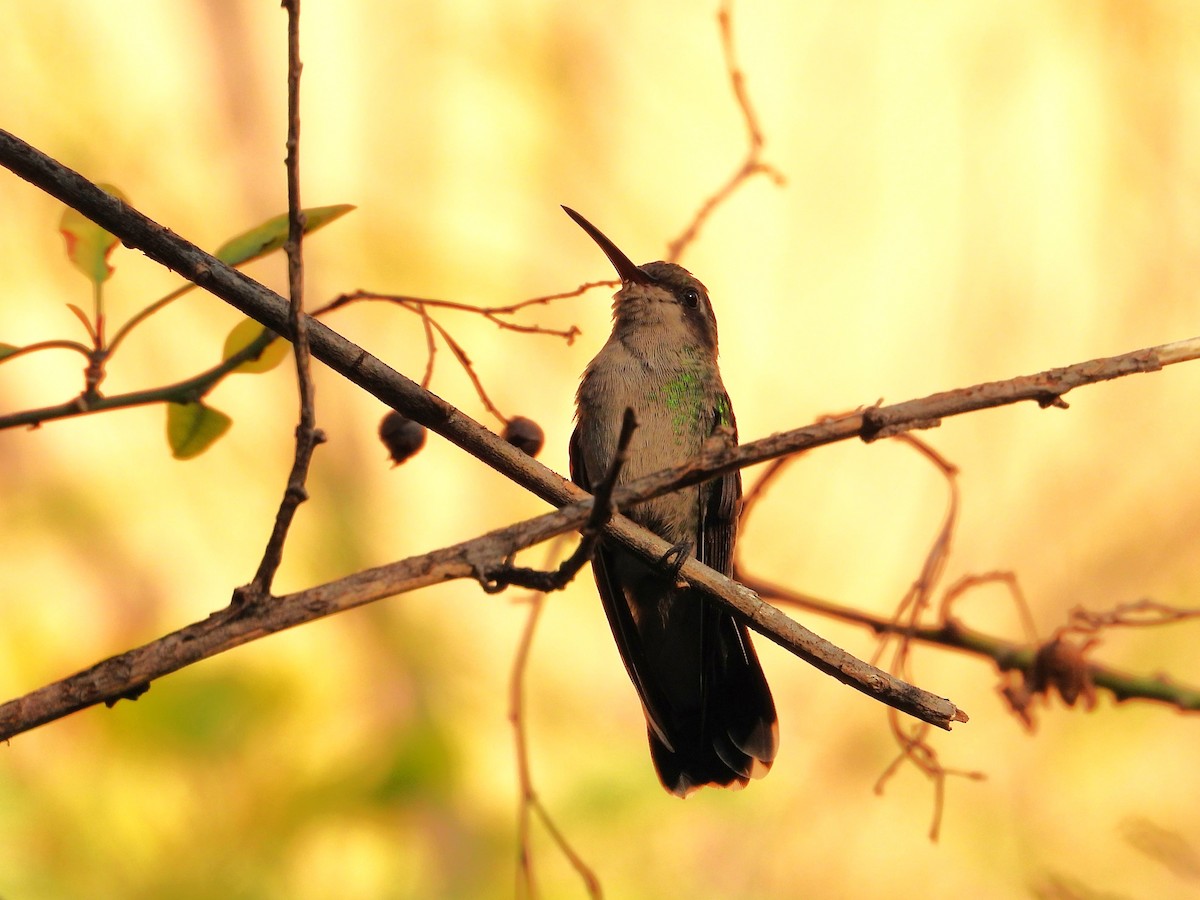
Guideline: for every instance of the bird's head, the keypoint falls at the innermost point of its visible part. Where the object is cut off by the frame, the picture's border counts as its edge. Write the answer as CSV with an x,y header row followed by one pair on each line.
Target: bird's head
x,y
659,296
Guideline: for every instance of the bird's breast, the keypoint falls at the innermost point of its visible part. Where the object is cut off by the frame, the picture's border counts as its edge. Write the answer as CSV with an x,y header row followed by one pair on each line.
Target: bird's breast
x,y
669,393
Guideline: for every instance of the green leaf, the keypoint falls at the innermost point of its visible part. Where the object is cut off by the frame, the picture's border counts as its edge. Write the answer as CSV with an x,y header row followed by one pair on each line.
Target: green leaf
x,y
272,234
88,245
193,427
242,336
7,350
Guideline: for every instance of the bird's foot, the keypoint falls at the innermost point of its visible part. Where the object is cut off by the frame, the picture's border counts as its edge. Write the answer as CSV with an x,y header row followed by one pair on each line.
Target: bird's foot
x,y
675,558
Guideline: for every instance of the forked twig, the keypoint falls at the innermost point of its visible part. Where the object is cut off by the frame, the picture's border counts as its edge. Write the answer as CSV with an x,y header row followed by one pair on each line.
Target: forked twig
x,y
420,306
603,509
530,803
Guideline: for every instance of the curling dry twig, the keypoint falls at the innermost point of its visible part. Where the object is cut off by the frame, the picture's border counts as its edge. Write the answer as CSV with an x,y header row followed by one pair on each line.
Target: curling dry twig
x,y
14,352
971,582
752,164
912,738
1135,614
1029,668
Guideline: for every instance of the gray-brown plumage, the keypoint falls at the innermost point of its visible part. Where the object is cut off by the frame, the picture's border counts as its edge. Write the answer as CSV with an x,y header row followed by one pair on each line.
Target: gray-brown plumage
x,y
709,712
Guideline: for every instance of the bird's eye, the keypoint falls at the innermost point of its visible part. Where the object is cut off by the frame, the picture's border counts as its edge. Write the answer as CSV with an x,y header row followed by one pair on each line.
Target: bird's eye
x,y
691,297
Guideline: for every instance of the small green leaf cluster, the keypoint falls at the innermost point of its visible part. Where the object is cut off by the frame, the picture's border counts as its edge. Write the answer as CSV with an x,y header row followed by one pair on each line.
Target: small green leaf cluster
x,y
192,425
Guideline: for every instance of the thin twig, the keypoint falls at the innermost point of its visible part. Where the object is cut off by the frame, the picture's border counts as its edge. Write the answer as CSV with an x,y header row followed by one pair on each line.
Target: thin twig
x,y
99,319
919,596
87,324
912,737
493,314
185,391
421,306
526,883
308,436
752,164
530,803
143,314
45,345
970,582
1136,614
431,346
465,361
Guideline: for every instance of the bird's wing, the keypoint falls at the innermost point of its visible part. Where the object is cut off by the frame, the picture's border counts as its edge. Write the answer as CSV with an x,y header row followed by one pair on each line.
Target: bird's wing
x,y
736,693
618,609
720,502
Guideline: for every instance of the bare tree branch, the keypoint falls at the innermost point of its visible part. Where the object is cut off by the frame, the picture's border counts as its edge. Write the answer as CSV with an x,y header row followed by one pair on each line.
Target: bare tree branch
x,y
394,389
481,559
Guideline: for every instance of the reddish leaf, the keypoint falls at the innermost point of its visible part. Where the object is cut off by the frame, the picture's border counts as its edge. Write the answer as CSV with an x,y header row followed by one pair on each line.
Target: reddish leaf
x,y
88,245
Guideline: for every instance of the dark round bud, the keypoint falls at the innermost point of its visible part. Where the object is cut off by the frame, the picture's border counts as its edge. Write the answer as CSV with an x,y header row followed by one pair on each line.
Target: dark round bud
x,y
401,435
524,434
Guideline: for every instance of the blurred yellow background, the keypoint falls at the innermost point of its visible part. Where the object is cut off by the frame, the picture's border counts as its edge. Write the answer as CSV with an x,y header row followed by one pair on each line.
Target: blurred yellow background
x,y
975,191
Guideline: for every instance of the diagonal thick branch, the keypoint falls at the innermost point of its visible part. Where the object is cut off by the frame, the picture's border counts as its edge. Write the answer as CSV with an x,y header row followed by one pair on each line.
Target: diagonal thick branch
x,y
361,368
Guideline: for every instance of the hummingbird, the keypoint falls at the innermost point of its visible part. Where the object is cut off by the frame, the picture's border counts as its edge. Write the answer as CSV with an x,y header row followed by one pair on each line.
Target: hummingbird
x,y
710,718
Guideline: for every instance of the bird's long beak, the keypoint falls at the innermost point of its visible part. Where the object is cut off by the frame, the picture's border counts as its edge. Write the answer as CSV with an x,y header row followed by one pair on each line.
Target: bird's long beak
x,y
630,274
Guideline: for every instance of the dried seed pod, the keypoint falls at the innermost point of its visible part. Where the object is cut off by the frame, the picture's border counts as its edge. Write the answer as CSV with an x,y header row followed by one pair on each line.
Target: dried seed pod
x,y
401,435
524,434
